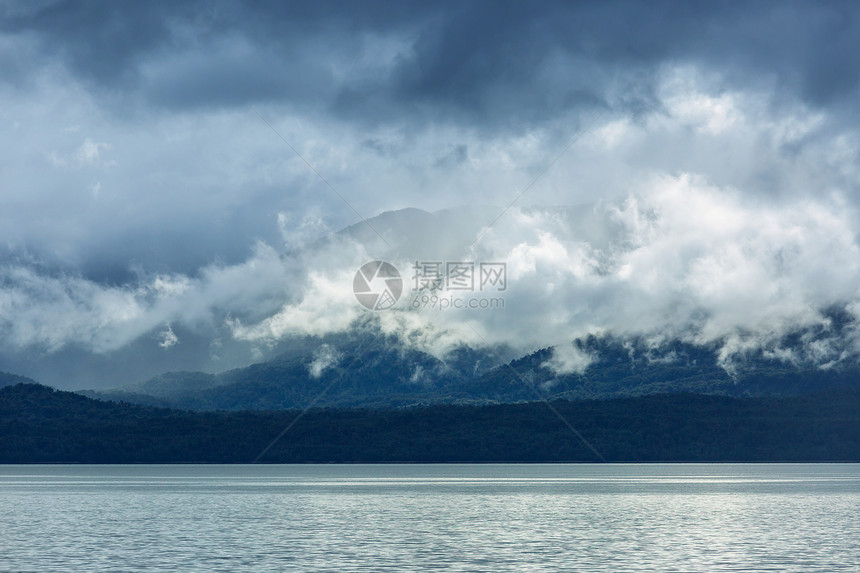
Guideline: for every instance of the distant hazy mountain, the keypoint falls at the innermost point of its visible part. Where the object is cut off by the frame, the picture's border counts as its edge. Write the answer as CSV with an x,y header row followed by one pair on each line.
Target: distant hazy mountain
x,y
367,371
409,235
7,379
358,368
631,367
339,370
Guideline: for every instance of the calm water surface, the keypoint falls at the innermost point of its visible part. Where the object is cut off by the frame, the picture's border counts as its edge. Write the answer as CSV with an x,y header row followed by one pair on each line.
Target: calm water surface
x,y
660,517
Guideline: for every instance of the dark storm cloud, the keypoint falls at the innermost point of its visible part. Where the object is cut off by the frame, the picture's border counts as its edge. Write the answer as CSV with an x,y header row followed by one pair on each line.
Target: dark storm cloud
x,y
482,52
146,208
101,40
481,62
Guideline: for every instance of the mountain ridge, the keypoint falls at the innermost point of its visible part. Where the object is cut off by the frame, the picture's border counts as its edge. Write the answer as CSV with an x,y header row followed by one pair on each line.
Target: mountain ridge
x,y
378,372
39,424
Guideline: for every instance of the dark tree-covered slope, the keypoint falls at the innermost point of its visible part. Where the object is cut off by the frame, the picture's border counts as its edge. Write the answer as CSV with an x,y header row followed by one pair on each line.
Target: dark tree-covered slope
x,y
38,424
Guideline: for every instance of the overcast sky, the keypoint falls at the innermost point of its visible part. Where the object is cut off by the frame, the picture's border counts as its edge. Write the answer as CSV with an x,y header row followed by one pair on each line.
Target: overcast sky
x,y
679,169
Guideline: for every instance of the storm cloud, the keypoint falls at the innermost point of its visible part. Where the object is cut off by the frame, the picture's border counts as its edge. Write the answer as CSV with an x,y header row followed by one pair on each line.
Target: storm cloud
x,y
677,169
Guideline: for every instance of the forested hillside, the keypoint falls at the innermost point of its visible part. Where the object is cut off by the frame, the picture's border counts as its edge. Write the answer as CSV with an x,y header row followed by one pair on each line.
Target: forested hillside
x,y
42,425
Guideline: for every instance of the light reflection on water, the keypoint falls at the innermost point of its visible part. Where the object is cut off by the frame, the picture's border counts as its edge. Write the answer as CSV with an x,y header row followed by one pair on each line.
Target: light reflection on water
x,y
654,517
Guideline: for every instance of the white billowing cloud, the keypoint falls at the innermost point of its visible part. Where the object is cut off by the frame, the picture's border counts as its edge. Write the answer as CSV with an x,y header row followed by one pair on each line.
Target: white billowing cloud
x,y
569,359
90,152
53,311
686,103
325,357
167,337
698,261
327,305
708,263
723,217
321,298
681,258
164,285
574,259
297,231
226,174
